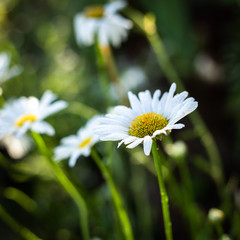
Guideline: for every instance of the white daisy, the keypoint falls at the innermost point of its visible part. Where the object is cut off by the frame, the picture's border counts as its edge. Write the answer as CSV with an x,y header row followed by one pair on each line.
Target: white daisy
x,y
23,114
16,147
147,118
102,22
76,145
5,71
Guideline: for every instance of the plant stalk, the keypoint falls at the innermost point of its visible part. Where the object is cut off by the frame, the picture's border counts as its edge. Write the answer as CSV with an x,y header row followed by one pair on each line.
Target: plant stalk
x,y
122,213
163,192
24,232
67,185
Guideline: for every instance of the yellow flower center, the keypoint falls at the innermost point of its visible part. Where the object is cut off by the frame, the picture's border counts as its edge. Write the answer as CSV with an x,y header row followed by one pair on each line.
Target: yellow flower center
x,y
24,118
85,142
96,11
147,124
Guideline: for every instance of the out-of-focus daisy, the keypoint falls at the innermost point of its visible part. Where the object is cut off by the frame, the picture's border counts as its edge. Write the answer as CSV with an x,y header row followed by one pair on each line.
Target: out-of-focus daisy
x,y
102,22
147,119
23,114
7,72
76,145
133,78
16,147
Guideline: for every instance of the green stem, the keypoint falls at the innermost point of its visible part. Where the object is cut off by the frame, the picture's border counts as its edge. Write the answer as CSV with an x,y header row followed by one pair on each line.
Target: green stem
x,y
140,193
2,100
67,185
146,23
22,231
103,77
219,229
122,213
110,67
164,196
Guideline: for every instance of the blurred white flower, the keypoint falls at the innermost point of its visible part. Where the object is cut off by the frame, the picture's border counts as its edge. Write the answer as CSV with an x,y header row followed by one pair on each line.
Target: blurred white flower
x,y
76,145
7,72
215,215
147,118
16,147
23,114
177,149
207,68
102,22
132,78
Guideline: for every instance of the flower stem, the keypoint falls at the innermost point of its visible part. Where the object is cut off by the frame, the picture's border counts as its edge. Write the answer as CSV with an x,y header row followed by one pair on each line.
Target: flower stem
x,y
67,185
22,231
111,69
122,213
103,77
164,196
2,100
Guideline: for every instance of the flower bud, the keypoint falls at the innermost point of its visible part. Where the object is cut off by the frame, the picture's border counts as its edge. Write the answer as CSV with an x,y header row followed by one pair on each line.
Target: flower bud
x,y
215,215
176,150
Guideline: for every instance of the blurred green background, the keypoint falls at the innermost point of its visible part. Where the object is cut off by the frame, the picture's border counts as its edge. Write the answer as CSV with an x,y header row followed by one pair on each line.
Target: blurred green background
x,y
202,39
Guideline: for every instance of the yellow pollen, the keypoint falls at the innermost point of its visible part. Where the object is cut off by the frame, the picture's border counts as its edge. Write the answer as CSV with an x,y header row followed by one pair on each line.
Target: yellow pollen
x,y
84,143
27,117
147,124
96,11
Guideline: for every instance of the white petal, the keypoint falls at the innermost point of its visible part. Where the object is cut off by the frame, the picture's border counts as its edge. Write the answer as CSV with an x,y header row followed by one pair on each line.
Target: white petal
x,y
71,140
155,101
169,100
135,103
86,151
146,101
135,143
85,29
47,98
53,108
158,132
22,130
43,127
189,106
62,152
113,7
147,145
127,140
13,72
162,102
103,34
75,155
113,137
126,112
174,126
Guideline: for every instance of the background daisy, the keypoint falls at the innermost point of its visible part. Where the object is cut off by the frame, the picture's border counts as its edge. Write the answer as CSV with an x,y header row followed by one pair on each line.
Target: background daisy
x,y
103,22
23,114
76,145
7,72
147,118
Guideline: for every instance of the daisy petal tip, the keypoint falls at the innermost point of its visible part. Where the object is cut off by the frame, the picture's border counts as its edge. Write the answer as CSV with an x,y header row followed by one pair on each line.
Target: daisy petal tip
x,y
147,145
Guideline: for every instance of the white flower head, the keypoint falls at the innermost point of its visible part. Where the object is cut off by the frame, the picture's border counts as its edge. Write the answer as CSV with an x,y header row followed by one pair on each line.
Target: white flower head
x,y
17,147
133,77
5,71
102,22
23,114
76,145
146,119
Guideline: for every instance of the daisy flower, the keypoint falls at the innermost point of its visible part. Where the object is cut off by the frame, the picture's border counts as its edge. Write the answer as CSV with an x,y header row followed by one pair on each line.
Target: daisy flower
x,y
103,22
16,147
5,71
147,119
23,114
76,145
